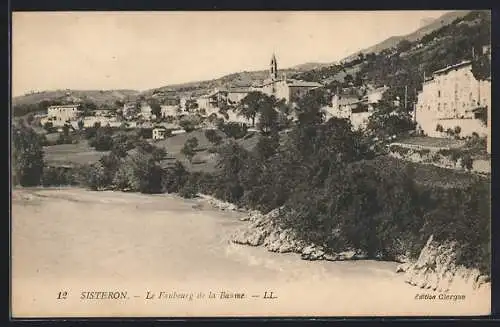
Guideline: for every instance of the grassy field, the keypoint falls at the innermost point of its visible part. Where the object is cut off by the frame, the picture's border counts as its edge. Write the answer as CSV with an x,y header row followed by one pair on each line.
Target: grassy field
x,y
203,160
82,153
71,154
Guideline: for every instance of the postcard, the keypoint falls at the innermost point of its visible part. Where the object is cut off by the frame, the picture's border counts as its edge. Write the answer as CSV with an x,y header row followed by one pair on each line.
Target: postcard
x,y
250,164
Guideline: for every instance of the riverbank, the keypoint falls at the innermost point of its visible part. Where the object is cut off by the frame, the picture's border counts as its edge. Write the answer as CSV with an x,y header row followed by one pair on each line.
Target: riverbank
x,y
76,240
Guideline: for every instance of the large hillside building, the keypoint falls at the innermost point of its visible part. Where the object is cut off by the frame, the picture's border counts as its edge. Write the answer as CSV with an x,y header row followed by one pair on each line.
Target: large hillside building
x,y
453,97
60,114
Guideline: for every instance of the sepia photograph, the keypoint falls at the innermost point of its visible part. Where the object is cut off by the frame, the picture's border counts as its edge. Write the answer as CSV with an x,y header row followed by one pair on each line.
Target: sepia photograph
x,y
250,163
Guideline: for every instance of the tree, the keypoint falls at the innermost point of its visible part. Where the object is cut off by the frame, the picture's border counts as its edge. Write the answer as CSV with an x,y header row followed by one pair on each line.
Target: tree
x,y
188,150
48,126
267,145
213,137
268,118
348,79
191,105
155,107
481,68
141,170
235,130
188,125
212,118
309,107
389,119
80,124
27,157
30,118
86,108
404,45
251,105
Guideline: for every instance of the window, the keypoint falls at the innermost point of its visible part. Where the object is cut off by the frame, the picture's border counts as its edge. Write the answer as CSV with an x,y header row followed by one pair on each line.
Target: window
x,y
439,93
439,106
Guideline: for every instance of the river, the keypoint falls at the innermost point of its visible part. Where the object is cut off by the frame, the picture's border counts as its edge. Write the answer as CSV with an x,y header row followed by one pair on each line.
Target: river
x,y
173,257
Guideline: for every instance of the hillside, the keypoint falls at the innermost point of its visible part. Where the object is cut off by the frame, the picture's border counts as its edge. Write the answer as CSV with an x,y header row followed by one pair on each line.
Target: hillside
x,y
241,79
99,97
393,41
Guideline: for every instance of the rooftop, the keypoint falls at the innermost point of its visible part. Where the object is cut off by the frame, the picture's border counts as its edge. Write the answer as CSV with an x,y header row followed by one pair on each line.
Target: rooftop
x,y
299,83
452,67
65,106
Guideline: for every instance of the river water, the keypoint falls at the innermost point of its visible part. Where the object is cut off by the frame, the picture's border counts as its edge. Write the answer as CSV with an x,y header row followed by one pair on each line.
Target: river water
x,y
169,256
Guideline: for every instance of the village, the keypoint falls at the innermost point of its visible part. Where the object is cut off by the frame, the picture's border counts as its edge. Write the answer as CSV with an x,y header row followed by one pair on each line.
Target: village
x,y
451,107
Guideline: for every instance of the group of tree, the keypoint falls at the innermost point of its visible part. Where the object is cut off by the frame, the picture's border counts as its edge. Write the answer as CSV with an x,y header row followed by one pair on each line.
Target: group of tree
x,y
266,108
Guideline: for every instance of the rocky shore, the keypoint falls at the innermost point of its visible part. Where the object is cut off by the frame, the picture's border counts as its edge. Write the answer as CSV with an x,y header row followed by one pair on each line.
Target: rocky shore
x,y
262,231
435,269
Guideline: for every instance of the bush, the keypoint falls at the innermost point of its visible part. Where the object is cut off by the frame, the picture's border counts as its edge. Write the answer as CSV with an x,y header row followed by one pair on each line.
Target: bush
x,y
399,149
467,162
58,176
27,157
234,130
188,125
188,150
174,178
213,137
140,171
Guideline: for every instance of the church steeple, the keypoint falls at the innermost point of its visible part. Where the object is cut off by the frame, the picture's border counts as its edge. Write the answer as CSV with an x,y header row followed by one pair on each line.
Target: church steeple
x,y
274,68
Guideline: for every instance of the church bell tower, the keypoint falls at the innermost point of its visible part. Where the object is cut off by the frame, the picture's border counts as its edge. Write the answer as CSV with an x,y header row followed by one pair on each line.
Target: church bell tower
x,y
273,68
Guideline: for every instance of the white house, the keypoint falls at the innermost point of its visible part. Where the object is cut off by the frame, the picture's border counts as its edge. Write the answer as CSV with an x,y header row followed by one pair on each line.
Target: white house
x,y
60,114
159,133
349,107
169,110
452,97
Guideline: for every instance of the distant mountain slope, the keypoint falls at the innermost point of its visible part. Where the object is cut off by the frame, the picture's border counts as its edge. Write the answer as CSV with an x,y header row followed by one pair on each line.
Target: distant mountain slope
x,y
100,98
242,79
434,25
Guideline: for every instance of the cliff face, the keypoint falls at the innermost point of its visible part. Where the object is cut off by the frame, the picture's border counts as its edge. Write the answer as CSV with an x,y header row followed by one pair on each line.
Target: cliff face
x,y
436,269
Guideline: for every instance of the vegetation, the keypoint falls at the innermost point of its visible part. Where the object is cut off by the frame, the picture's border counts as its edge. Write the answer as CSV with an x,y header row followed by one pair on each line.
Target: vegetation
x,y
234,130
189,148
213,137
27,157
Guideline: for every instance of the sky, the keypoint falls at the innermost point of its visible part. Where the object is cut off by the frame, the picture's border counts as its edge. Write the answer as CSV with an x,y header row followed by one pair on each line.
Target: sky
x,y
144,50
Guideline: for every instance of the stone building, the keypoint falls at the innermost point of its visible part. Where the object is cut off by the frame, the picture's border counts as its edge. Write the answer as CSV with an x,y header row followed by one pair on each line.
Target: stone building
x,y
452,97
282,87
60,114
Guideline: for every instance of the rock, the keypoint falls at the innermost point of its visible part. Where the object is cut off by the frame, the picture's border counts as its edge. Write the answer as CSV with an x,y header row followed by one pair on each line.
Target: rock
x,y
312,252
360,255
481,280
403,267
331,256
346,255
247,236
308,250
